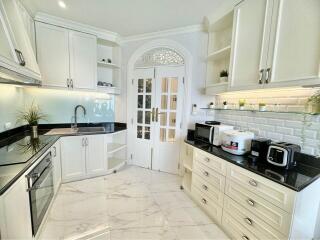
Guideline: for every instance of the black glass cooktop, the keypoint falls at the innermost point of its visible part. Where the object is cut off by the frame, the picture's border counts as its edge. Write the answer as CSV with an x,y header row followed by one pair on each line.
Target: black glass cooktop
x,y
20,150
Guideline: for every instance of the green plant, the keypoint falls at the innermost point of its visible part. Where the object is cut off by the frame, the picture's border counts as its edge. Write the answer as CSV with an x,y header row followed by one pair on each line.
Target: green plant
x,y
224,73
225,103
314,100
32,115
262,104
242,102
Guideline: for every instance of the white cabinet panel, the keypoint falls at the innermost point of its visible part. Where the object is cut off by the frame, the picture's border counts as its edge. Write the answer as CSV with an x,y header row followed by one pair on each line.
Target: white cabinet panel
x,y
56,159
53,54
211,161
295,45
249,54
15,215
6,48
83,60
73,158
96,155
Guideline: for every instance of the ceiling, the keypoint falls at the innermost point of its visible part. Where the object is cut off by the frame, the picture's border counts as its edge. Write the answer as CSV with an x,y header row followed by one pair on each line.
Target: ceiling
x,y
128,17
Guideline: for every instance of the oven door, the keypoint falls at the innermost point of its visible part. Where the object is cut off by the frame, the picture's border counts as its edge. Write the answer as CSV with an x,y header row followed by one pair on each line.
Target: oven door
x,y
41,195
203,132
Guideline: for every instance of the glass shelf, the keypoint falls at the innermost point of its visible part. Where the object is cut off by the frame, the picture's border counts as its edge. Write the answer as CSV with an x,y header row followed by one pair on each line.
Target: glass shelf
x,y
257,111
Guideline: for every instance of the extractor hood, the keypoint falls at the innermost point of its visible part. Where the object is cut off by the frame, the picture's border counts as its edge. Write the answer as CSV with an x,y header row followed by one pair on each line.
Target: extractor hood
x,y
10,77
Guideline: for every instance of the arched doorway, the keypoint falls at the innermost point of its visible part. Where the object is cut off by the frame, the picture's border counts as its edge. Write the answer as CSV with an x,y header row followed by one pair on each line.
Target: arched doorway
x,y
157,87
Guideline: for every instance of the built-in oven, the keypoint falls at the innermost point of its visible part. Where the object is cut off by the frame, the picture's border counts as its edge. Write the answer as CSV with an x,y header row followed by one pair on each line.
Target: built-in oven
x,y
41,191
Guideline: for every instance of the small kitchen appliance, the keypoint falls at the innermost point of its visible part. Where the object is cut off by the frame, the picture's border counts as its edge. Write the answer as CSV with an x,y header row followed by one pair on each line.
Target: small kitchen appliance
x,y
281,154
259,149
237,142
210,133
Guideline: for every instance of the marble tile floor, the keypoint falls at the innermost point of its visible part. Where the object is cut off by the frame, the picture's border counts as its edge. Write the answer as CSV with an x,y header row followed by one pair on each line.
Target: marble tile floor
x,y
135,203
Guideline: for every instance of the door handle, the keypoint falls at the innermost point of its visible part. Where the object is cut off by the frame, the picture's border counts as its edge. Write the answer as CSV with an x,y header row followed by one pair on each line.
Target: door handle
x,y
250,202
261,73
248,221
152,114
268,74
157,114
20,57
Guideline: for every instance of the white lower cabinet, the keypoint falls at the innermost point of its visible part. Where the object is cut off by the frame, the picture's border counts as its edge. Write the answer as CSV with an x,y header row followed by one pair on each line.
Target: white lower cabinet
x,y
82,157
248,206
15,220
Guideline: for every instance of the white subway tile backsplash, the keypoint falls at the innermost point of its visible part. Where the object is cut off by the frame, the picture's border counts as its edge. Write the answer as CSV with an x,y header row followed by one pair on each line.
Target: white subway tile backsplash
x,y
284,130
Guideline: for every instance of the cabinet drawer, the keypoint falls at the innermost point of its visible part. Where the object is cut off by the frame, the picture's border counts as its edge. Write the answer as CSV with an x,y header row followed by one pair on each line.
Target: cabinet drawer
x,y
214,178
207,189
254,224
271,214
208,205
274,193
234,229
210,161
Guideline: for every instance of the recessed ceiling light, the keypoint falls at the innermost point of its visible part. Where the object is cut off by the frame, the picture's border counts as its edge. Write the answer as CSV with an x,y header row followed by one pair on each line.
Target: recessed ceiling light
x,y
62,4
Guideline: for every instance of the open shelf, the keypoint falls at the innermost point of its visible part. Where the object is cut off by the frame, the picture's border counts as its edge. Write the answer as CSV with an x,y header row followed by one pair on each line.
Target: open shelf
x,y
257,111
220,54
115,147
108,65
114,162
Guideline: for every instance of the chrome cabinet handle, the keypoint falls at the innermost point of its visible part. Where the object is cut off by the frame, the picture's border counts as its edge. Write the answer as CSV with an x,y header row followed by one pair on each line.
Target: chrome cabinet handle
x,y
248,221
261,76
268,74
207,159
204,201
55,151
250,202
253,183
20,57
153,114
244,237
204,187
68,82
206,173
71,82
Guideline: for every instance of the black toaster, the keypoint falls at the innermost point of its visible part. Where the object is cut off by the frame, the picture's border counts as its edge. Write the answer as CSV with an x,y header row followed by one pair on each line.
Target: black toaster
x,y
281,154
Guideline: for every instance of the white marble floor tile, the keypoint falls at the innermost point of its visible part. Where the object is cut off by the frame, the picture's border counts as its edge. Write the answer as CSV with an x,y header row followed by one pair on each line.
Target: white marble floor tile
x,y
134,203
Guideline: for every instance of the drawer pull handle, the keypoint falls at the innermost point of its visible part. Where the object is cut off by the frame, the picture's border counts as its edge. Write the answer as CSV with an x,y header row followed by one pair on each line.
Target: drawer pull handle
x,y
204,187
248,220
253,183
207,159
206,173
250,202
204,201
244,237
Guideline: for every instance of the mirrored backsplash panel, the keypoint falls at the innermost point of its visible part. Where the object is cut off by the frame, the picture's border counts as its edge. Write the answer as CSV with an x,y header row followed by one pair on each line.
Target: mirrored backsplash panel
x,y
58,105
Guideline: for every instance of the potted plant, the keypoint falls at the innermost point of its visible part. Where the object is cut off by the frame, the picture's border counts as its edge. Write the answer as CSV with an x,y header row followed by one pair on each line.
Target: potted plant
x,y
242,102
262,107
224,76
314,102
32,116
211,105
225,105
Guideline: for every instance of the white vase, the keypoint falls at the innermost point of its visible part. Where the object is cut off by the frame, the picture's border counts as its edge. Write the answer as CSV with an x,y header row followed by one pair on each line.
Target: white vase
x,y
225,106
241,107
262,108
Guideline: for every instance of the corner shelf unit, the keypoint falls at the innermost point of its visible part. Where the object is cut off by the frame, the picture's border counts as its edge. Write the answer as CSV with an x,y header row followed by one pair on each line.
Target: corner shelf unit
x,y
109,72
219,52
116,149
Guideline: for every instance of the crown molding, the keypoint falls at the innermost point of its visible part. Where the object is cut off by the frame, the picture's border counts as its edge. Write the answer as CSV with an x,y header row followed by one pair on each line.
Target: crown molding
x,y
159,34
103,34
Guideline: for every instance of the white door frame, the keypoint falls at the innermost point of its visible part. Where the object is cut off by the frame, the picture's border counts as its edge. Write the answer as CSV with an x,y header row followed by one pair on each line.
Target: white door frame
x,y
165,43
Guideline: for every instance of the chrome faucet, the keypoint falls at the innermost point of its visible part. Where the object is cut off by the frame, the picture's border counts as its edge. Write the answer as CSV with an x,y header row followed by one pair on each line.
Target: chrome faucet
x,y
75,114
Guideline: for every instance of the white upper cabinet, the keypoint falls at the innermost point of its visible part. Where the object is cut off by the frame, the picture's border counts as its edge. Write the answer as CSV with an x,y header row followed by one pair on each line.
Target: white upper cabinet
x,y
19,37
53,54
249,49
83,60
6,52
276,43
66,58
295,42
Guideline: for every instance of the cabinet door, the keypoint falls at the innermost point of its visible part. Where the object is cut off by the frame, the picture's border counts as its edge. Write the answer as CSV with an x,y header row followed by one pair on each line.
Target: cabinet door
x,y
56,155
73,158
19,34
83,60
96,155
6,47
295,41
250,41
53,54
15,220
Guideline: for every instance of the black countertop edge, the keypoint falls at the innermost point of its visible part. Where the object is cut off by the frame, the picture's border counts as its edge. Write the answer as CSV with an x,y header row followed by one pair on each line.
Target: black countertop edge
x,y
30,162
238,161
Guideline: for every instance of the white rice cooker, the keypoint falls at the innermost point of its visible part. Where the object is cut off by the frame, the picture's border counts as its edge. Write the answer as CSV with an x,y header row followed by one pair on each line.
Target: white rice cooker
x,y
237,142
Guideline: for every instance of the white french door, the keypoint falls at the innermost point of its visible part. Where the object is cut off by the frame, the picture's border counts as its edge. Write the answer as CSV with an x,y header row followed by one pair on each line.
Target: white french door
x,y
158,94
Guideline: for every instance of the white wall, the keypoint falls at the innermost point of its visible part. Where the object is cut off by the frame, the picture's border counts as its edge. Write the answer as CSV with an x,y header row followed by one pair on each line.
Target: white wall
x,y
196,44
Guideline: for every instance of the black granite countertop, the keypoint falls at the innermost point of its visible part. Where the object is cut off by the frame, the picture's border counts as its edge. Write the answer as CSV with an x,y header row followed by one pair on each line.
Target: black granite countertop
x,y
306,171
18,151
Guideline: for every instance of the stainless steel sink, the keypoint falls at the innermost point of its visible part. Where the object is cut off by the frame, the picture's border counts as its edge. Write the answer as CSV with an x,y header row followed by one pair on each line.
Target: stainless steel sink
x,y
90,130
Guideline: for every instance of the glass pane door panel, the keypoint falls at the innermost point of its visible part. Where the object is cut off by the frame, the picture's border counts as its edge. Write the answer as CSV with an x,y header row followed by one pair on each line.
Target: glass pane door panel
x,y
171,135
149,85
164,100
173,85
162,135
140,86
173,102
147,118
139,131
163,119
140,117
164,85
140,101
172,119
148,101
147,133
